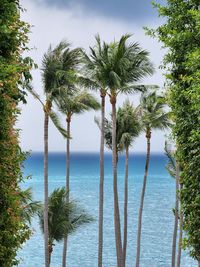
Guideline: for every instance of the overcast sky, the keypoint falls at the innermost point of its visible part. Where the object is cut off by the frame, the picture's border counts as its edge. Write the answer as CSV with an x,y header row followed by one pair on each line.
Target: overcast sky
x,y
78,22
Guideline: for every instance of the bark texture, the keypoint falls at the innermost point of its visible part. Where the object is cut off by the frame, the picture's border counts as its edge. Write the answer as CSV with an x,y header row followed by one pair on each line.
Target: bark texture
x,y
148,136
46,229
120,262
67,184
101,183
173,263
125,206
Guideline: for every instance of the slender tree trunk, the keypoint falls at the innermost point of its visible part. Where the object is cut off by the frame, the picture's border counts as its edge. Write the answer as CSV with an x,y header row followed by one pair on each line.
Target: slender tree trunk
x,y
148,136
125,207
50,252
173,263
180,229
46,229
67,185
101,183
118,241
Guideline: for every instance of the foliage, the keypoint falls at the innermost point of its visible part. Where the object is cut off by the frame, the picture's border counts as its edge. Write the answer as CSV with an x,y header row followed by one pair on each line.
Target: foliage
x,y
76,103
128,127
152,112
64,217
180,35
14,76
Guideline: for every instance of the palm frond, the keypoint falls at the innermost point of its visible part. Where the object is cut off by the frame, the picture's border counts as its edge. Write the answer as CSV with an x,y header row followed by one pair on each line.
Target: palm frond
x,y
55,119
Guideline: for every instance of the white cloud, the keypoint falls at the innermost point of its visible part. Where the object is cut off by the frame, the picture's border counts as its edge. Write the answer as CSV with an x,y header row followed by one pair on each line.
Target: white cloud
x,y
51,25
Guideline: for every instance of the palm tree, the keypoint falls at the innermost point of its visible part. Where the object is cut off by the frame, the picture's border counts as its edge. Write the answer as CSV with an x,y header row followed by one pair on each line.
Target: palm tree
x,y
126,64
127,119
153,116
58,73
64,217
75,103
94,77
127,129
173,169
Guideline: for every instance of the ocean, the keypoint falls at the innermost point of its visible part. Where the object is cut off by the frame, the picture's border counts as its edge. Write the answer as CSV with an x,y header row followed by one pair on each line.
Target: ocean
x,y
158,218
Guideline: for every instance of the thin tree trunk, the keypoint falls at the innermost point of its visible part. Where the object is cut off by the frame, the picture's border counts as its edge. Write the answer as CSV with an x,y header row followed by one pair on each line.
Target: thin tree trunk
x,y
148,136
118,241
180,229
125,207
50,252
67,185
173,263
46,229
101,184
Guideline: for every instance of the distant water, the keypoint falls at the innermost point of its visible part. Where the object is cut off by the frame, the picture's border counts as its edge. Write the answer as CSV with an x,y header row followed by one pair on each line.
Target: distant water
x,y
157,217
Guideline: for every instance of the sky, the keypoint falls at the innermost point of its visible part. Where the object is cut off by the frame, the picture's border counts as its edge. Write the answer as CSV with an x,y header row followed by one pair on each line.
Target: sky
x,y
78,22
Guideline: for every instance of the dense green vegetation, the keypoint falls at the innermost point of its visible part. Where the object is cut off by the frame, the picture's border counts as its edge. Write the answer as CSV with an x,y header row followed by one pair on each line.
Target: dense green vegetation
x,y
14,74
111,69
65,217
180,35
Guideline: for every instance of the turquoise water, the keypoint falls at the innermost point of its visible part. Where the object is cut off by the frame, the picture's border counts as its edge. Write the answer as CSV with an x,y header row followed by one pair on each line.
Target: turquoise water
x,y
157,217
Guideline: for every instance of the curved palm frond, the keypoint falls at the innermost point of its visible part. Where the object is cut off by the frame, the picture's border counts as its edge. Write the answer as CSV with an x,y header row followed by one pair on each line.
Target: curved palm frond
x,y
128,127
59,67
65,217
77,103
30,208
152,111
55,119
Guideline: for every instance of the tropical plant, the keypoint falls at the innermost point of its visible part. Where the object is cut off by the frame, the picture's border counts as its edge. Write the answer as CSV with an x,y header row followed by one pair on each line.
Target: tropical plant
x,y
64,217
125,64
182,66
59,68
94,77
127,129
173,169
153,116
14,74
128,123
29,207
76,103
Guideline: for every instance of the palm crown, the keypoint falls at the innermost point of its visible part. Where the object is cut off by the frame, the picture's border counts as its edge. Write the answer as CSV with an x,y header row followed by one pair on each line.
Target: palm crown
x,y
78,102
152,112
64,217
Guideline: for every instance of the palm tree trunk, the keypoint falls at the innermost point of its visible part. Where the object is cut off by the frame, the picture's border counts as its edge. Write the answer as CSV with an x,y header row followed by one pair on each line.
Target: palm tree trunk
x,y
175,219
101,184
46,230
50,247
125,206
180,230
148,136
67,185
118,241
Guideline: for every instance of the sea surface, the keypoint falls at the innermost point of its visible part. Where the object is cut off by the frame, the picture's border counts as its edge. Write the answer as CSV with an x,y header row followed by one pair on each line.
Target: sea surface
x,y
158,218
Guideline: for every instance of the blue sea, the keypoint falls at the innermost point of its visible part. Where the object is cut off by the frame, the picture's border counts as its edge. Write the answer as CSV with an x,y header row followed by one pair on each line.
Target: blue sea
x,y
158,218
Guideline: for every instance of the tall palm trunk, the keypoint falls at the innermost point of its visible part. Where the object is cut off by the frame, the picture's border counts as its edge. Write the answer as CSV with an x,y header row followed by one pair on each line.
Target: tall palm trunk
x,y
125,206
181,230
173,263
46,230
148,136
118,241
67,183
101,184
